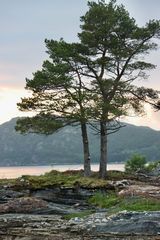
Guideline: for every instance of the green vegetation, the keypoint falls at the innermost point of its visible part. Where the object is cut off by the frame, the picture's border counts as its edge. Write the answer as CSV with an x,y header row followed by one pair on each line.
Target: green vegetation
x,y
152,165
140,204
104,200
115,203
75,179
69,179
118,175
64,179
6,181
135,163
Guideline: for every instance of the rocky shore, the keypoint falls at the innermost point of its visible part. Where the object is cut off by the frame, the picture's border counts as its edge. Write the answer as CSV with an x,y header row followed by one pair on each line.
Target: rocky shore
x,y
36,214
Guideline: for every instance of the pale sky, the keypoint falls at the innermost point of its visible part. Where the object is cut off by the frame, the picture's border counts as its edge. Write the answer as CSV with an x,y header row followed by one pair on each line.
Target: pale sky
x,y
25,24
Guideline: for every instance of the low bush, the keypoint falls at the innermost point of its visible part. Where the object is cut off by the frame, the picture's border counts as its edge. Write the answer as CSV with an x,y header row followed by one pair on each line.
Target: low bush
x,y
135,164
152,166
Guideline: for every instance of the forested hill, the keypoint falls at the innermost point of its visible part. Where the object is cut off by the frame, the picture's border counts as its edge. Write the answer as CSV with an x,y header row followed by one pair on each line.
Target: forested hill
x,y
65,147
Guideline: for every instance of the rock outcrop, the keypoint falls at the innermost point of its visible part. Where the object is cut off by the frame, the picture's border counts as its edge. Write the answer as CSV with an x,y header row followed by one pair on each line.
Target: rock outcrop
x,y
99,226
64,195
141,190
38,214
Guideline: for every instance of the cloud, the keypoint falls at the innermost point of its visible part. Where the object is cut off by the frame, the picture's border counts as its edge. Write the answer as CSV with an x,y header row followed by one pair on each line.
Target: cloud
x,y
9,97
150,119
142,10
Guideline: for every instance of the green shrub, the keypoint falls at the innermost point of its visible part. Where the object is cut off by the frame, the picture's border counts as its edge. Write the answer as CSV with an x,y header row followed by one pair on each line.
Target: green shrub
x,y
152,166
104,200
135,163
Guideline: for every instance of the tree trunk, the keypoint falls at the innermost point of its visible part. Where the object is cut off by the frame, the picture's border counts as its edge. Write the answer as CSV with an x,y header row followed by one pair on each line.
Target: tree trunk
x,y
87,163
103,153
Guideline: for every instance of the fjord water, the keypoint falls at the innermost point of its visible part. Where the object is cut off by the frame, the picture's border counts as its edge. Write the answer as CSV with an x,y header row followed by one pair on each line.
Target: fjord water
x,y
14,172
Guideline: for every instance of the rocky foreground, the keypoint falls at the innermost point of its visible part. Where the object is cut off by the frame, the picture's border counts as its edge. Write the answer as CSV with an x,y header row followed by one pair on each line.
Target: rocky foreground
x,y
34,214
97,226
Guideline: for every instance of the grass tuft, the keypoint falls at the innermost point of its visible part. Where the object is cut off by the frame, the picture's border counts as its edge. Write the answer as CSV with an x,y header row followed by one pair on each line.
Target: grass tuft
x,y
103,200
117,203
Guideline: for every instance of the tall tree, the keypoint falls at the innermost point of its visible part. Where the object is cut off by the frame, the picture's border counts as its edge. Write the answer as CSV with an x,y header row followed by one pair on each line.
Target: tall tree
x,y
58,95
116,47
94,80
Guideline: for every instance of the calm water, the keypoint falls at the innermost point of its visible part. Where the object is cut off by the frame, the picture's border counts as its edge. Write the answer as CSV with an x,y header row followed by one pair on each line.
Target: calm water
x,y
14,172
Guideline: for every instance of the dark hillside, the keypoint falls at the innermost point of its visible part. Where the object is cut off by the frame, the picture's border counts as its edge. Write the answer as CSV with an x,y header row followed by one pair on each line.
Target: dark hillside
x,y
65,146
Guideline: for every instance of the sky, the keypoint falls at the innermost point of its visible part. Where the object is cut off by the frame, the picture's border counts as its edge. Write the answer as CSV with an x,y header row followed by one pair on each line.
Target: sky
x,y
24,25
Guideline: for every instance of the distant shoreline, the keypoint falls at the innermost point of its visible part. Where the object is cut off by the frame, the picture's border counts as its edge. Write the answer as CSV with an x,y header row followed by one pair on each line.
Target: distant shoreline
x,y
17,171
56,164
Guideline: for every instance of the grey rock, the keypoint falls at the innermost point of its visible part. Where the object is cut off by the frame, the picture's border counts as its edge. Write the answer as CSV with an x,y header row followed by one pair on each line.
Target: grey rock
x,y
22,205
141,190
135,223
65,195
36,206
8,194
120,184
45,218
122,226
